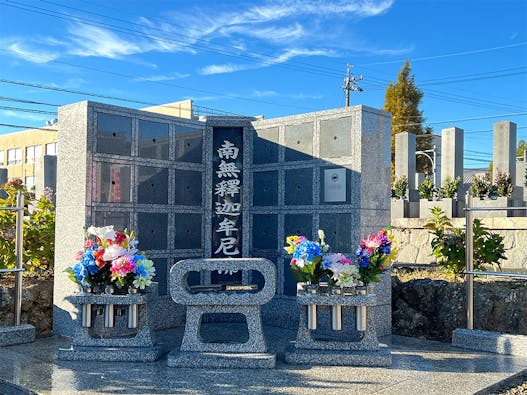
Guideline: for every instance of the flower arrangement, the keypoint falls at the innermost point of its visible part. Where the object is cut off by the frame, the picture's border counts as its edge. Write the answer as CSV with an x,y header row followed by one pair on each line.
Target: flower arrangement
x,y
312,261
374,255
306,264
341,270
111,257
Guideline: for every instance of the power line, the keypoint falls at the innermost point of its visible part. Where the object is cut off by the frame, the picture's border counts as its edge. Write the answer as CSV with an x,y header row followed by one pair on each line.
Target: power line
x,y
450,54
93,94
90,22
16,100
230,96
20,109
8,125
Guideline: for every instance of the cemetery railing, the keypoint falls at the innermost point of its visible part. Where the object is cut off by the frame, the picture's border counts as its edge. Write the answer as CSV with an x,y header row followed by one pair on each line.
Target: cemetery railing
x,y
469,256
19,242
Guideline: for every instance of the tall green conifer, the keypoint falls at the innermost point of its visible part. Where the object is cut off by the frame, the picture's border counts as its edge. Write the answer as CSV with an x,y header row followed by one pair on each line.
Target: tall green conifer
x,y
402,99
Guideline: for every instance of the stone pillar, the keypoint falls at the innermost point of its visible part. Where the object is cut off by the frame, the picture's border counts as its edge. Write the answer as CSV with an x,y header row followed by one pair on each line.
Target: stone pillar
x,y
451,153
405,157
505,149
45,174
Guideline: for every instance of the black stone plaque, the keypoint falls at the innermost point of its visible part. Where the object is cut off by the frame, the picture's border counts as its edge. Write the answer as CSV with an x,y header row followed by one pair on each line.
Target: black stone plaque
x,y
227,163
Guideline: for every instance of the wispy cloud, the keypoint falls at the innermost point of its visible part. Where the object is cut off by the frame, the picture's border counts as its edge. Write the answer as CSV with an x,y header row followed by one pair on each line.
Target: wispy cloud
x,y
223,68
262,61
271,33
95,41
28,51
164,77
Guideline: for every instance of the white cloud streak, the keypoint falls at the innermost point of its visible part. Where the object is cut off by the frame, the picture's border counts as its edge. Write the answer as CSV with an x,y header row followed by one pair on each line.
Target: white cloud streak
x,y
164,77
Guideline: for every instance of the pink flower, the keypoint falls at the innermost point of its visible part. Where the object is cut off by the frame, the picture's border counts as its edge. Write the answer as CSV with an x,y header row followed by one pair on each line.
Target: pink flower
x,y
89,243
372,242
122,266
78,257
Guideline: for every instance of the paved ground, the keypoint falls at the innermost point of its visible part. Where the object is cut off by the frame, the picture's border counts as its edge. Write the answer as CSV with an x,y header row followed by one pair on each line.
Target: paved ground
x,y
419,367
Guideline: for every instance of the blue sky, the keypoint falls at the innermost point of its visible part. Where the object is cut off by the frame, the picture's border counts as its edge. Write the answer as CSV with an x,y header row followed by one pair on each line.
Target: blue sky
x,y
271,58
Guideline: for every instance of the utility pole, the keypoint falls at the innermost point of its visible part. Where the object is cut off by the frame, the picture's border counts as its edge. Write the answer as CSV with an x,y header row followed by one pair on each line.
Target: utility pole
x,y
350,84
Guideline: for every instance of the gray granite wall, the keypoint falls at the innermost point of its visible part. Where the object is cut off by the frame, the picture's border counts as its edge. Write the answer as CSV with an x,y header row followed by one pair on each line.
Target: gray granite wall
x,y
132,169
152,173
295,160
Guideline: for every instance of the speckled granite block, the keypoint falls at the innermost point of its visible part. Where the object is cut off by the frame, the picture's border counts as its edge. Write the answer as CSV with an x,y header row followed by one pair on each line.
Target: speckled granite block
x,y
495,342
111,354
380,357
367,341
325,346
180,292
117,343
183,359
194,351
10,335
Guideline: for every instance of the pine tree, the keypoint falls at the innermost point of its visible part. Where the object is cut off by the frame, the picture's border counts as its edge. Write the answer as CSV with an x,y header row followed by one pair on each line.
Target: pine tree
x,y
402,99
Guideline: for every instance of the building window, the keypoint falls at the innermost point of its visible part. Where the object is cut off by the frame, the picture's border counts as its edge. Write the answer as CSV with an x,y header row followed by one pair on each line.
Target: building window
x,y
14,156
33,152
51,149
30,182
1,158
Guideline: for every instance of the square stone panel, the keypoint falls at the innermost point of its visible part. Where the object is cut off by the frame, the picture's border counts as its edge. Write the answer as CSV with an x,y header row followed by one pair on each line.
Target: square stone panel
x,y
119,220
289,280
265,146
265,188
188,231
188,188
299,187
299,142
114,134
161,275
338,230
152,229
298,224
265,231
335,137
152,185
189,144
112,183
153,140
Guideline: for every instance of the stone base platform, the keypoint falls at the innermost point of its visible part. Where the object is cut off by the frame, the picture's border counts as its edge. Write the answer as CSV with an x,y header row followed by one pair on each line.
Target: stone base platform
x,y
189,359
499,343
111,354
303,356
10,335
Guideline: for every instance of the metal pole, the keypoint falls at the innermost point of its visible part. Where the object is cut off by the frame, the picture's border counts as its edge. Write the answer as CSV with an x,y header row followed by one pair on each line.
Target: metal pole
x,y
469,240
19,243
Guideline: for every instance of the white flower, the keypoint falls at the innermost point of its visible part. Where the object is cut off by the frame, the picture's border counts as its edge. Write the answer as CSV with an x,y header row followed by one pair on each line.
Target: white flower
x,y
103,233
113,252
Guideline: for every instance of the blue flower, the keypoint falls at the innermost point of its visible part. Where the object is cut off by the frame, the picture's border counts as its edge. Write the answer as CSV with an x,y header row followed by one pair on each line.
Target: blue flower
x,y
307,250
140,270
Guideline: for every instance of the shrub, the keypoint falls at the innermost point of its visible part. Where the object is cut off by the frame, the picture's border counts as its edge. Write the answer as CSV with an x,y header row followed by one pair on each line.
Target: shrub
x,y
450,187
448,244
480,186
426,188
400,186
504,184
38,229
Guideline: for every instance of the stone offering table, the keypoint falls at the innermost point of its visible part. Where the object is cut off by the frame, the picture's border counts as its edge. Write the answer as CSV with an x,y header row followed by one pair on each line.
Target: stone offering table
x,y
195,352
354,344
113,328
